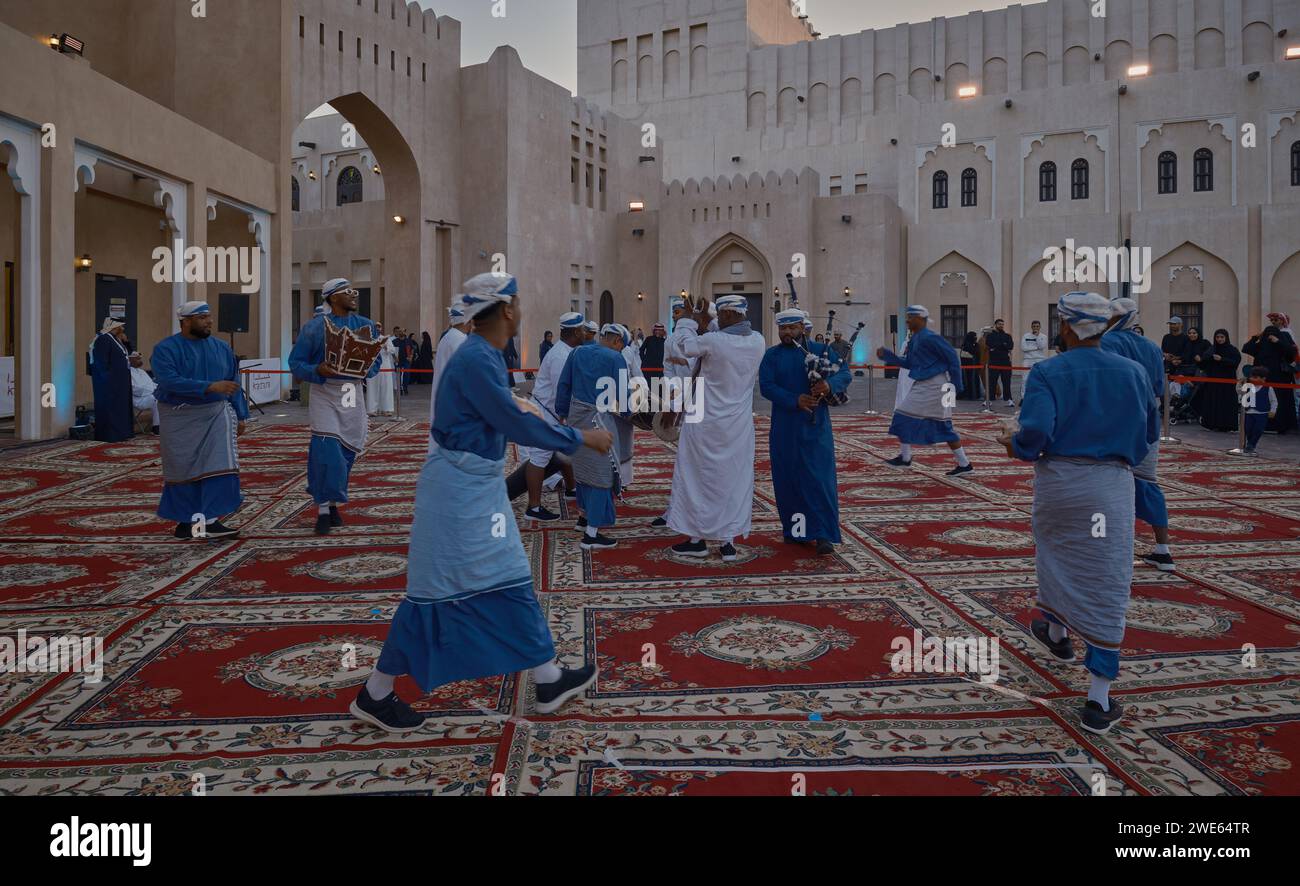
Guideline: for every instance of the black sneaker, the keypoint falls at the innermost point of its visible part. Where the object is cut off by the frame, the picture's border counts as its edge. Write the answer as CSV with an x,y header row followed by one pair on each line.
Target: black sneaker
x,y
897,462
959,470
553,696
599,543
184,531
336,519
582,523
571,494
323,524
217,529
687,549
392,714
1062,650
541,515
728,552
1096,720
1163,562
825,549
658,523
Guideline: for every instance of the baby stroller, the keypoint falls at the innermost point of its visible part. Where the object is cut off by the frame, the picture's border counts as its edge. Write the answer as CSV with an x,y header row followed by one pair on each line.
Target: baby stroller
x,y
1180,406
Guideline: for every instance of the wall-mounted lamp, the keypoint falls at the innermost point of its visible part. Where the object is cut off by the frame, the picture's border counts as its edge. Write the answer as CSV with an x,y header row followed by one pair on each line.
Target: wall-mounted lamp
x,y
375,169
311,174
1139,70
848,295
84,264
636,206
1293,53
640,296
847,219
967,92
647,158
1008,104
1123,89
683,293
1252,76
638,232
893,141
67,44
400,220
735,159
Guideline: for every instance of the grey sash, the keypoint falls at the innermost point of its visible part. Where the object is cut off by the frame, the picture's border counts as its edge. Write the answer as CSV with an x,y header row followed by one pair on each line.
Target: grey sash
x,y
592,468
198,442
330,418
925,400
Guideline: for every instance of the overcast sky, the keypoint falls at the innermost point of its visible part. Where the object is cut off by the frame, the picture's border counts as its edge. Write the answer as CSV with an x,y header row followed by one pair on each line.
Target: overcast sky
x,y
545,31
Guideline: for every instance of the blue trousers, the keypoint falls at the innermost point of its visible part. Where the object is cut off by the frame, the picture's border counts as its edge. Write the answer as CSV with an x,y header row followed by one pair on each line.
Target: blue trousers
x,y
598,504
329,468
214,498
1102,662
1256,423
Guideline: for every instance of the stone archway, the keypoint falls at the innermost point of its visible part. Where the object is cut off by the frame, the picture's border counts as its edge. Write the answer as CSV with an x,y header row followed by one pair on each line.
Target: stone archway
x,y
734,266
955,282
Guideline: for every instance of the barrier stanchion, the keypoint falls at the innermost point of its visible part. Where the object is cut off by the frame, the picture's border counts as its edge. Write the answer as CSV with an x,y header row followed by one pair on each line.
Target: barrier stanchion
x,y
1241,432
871,391
397,393
988,394
1165,436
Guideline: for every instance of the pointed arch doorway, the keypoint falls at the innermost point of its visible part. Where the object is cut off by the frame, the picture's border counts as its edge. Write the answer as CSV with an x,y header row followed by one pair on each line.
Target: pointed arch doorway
x,y
734,266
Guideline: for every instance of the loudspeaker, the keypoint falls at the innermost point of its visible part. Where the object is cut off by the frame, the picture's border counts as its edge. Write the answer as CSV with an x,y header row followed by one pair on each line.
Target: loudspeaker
x,y
232,312
893,324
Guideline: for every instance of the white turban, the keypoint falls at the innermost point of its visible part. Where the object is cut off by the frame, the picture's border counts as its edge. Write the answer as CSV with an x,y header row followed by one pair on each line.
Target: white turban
x,y
572,320
617,329
737,303
918,311
193,309
336,285
1087,313
791,317
591,326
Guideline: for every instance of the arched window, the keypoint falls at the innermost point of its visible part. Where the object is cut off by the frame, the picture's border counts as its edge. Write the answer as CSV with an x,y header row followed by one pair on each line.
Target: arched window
x,y
1295,165
969,187
1203,170
940,190
1047,182
349,187
1168,173
296,192
1079,184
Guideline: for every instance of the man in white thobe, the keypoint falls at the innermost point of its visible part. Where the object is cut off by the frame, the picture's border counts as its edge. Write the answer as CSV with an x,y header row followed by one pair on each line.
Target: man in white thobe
x,y
456,336
142,388
381,391
713,483
572,334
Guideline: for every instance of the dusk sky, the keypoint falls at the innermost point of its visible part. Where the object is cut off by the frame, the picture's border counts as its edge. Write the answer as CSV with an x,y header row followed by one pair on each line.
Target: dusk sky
x,y
545,31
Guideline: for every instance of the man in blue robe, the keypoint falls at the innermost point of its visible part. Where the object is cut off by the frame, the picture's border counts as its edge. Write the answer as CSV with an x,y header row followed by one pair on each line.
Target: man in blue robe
x,y
337,406
800,443
202,412
1087,420
110,370
925,415
470,611
591,375
1151,507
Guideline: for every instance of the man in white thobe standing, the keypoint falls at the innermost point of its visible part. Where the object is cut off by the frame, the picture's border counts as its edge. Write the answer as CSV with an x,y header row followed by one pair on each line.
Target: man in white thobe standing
x,y
456,336
572,335
713,483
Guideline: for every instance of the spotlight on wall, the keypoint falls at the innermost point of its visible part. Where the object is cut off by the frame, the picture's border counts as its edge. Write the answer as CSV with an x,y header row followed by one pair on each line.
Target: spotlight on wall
x,y
640,296
802,99
1293,53
683,293
636,206
1008,103
735,159
84,264
1123,89
967,92
1253,76
938,78
311,174
400,220
375,169
1096,56
67,44
638,232
847,219
1281,33
848,295
893,141
1139,70
646,158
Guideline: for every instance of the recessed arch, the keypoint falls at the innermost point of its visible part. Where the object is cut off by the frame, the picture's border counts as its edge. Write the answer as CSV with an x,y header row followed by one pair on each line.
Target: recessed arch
x,y
713,274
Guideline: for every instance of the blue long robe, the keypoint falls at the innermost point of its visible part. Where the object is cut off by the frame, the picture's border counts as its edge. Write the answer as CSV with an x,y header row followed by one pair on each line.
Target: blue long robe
x,y
470,610
922,419
183,370
1149,498
111,374
329,462
801,447
580,381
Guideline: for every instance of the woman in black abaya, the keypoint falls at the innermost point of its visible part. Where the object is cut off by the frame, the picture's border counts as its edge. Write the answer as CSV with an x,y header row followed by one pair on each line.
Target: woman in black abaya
x,y
1215,402
1276,352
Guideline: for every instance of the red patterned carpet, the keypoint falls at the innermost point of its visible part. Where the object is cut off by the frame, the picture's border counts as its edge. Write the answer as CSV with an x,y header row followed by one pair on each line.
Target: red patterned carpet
x,y
769,674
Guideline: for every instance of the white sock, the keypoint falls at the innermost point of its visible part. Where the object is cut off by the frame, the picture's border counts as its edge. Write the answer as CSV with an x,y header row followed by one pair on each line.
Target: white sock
x,y
905,451
695,541
323,510
547,673
591,533
379,686
962,460
1162,549
1099,691
1056,632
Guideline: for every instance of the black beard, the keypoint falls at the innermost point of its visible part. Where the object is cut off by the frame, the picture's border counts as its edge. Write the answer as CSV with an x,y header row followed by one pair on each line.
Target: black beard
x,y
201,333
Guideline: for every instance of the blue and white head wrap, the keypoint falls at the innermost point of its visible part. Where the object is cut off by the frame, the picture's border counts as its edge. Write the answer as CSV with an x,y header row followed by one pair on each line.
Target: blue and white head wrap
x,y
617,329
1127,310
339,284
1087,313
791,317
456,314
918,311
193,309
322,310
592,326
676,303
572,320
737,303
808,326
486,290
